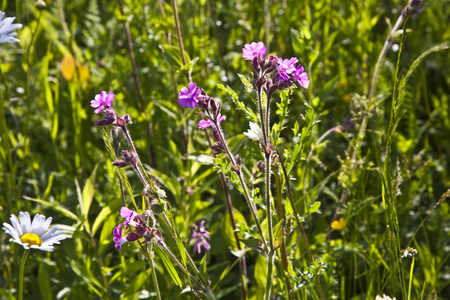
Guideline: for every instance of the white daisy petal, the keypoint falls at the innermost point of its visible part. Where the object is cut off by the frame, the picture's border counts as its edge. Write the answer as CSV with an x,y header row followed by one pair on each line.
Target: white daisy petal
x,y
11,231
25,222
47,223
36,225
16,224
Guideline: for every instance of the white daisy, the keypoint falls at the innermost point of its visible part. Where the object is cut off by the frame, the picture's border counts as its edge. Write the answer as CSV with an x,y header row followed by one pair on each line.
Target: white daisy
x,y
33,235
255,133
6,29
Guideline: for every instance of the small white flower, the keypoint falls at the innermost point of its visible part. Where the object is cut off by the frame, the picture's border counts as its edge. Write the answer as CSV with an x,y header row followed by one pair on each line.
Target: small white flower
x,y
255,133
385,297
6,29
33,235
161,193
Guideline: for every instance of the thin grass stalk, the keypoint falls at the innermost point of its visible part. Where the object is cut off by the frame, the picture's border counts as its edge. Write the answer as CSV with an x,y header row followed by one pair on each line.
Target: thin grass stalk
x,y
300,226
6,145
208,293
153,270
138,86
411,278
100,263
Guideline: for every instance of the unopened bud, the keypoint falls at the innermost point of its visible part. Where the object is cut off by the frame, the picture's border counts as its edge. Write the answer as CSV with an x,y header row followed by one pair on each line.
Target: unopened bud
x,y
129,157
40,4
155,207
127,119
119,163
217,148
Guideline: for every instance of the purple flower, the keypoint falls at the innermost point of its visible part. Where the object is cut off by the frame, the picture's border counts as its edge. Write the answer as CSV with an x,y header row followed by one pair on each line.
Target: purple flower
x,y
188,97
199,237
118,239
129,216
287,65
250,51
206,123
102,101
301,77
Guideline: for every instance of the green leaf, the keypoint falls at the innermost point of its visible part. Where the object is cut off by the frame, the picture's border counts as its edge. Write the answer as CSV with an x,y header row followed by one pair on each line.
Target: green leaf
x,y
277,236
59,208
44,283
87,197
247,84
203,267
314,208
168,265
240,105
261,271
172,56
227,228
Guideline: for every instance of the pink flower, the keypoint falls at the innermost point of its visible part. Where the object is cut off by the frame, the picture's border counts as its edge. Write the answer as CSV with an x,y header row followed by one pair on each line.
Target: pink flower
x,y
301,77
188,97
206,123
250,51
118,239
287,65
102,101
199,238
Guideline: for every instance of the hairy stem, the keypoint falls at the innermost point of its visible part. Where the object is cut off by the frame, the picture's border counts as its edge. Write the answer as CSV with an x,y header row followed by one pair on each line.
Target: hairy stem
x,y
250,203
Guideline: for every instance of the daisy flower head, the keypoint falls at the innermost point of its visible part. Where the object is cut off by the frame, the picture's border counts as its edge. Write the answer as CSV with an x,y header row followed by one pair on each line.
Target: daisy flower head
x,y
250,51
102,101
34,235
188,95
6,29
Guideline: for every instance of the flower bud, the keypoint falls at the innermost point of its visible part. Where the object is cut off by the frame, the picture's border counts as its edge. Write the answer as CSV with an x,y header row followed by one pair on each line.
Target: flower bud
x,y
218,148
119,163
155,207
127,119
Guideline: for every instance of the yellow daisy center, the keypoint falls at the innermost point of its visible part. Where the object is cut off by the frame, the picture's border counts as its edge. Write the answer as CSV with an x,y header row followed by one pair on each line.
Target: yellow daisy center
x,y
31,239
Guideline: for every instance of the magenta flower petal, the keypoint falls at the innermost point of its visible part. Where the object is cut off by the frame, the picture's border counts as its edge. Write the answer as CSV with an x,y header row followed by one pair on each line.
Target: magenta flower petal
x,y
250,51
118,239
102,101
287,65
301,77
188,96
204,124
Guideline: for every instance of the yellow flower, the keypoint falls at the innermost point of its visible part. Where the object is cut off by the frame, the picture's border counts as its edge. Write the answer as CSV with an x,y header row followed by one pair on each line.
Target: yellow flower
x,y
338,225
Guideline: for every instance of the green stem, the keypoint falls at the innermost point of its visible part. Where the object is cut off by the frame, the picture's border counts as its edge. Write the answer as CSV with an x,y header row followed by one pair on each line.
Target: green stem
x,y
152,266
22,268
269,276
243,185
